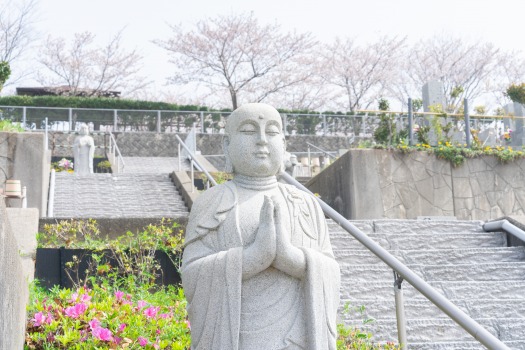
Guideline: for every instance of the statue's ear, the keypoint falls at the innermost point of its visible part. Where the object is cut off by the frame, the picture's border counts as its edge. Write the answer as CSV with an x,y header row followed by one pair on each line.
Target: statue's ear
x,y
228,167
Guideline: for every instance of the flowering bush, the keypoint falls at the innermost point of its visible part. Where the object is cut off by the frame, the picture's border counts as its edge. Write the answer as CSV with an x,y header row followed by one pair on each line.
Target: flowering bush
x,y
63,165
109,318
507,136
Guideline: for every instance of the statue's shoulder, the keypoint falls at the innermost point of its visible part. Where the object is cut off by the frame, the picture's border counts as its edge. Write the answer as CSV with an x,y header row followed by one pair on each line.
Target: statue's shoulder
x,y
213,195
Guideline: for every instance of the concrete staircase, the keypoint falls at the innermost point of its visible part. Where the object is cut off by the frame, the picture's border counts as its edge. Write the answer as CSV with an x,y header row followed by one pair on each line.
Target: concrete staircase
x,y
474,269
144,190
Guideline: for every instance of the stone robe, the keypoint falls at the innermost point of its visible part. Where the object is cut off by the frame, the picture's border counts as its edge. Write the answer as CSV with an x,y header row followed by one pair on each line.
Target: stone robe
x,y
83,151
271,310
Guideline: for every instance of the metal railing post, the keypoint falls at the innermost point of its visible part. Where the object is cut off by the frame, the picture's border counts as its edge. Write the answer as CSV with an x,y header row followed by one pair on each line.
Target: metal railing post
x,y
325,127
70,119
467,123
178,156
400,311
285,123
410,123
202,122
46,138
24,116
115,117
51,199
192,177
309,161
158,122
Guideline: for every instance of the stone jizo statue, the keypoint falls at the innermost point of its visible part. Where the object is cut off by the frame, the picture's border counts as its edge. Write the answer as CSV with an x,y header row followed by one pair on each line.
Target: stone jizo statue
x,y
258,269
83,151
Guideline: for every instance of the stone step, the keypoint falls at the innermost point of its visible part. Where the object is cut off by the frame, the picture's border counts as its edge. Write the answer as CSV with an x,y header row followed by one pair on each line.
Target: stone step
x,y
117,195
437,256
444,330
379,309
454,290
514,271
422,242
154,165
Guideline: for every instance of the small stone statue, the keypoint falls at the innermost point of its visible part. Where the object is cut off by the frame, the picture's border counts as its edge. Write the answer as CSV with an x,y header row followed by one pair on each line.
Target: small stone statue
x,y
83,151
258,269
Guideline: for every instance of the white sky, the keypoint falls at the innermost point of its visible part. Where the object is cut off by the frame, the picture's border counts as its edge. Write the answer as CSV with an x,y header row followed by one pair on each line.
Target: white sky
x,y
500,22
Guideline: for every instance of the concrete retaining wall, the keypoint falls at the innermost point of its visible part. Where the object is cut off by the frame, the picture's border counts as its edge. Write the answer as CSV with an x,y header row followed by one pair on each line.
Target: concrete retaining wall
x,y
150,144
23,157
13,288
373,184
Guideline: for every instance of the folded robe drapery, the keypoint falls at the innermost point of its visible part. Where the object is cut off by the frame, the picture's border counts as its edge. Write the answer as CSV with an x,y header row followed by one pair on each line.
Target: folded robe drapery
x,y
212,273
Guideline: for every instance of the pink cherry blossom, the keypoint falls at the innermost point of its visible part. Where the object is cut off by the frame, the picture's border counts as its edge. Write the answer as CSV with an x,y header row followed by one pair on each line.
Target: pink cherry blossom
x,y
102,333
142,341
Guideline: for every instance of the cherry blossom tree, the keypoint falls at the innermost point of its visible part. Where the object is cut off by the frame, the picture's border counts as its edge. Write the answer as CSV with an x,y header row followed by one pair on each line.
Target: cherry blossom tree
x,y
238,56
85,68
362,73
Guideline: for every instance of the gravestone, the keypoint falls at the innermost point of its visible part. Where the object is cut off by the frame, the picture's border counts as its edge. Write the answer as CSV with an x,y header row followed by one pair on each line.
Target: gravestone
x,y
433,94
516,125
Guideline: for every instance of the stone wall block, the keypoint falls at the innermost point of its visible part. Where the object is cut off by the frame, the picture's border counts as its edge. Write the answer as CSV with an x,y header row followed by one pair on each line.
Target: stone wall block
x,y
476,165
487,181
474,184
462,188
425,188
390,197
506,202
409,194
511,174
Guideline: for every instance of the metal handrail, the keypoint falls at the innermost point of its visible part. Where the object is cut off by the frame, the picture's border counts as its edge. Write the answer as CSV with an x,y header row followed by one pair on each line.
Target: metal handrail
x,y
114,148
322,150
194,160
461,318
506,226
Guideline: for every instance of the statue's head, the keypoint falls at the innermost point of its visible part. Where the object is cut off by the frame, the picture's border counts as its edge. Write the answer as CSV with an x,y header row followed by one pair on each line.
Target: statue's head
x,y
84,129
254,142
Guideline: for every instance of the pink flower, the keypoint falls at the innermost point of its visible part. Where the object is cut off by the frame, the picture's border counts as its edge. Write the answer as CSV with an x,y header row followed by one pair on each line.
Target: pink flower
x,y
119,295
164,315
85,298
39,319
157,331
73,298
121,327
187,324
49,319
151,312
141,304
94,323
102,333
142,341
76,311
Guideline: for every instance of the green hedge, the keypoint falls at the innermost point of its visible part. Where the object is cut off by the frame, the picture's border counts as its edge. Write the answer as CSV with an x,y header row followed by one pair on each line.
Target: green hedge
x,y
84,102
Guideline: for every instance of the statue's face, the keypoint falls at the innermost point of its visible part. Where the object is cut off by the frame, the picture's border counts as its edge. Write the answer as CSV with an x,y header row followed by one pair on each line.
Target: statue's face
x,y
84,130
256,143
